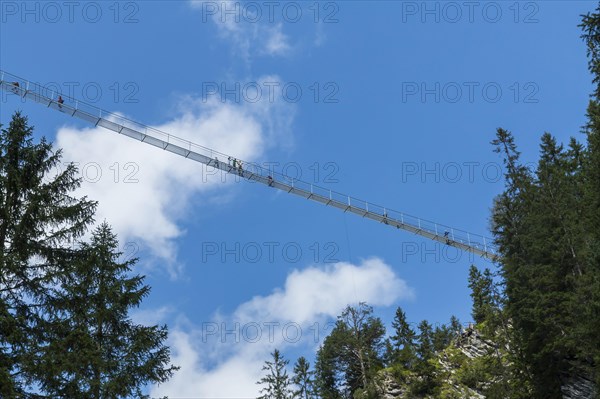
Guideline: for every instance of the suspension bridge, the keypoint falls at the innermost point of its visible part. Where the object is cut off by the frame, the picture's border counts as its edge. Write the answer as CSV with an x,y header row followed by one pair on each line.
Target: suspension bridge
x,y
463,240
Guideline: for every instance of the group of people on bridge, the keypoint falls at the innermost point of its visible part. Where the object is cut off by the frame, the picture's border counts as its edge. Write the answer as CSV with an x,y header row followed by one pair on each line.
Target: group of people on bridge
x,y
236,164
17,86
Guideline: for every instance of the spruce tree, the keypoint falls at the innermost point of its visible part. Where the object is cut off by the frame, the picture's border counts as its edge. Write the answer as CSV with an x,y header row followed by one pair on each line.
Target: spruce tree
x,y
403,341
303,379
481,285
455,326
537,223
95,350
441,337
546,262
424,367
39,219
589,288
389,353
425,349
509,226
276,382
326,373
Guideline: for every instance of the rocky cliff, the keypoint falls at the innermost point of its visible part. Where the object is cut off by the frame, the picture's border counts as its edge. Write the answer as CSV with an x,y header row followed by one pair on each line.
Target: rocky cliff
x,y
460,366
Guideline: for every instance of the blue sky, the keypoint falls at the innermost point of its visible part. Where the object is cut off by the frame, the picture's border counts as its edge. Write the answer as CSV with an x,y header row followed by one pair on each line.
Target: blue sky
x,y
393,102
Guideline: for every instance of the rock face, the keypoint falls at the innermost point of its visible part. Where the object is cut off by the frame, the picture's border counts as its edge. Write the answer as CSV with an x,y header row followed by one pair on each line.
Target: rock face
x,y
388,388
579,388
472,345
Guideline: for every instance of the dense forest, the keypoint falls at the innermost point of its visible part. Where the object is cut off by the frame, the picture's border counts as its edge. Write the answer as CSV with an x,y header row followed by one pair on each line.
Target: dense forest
x,y
537,316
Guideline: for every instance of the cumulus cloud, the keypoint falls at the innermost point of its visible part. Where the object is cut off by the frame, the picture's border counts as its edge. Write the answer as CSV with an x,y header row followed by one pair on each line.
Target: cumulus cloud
x,y
250,33
316,292
144,192
234,348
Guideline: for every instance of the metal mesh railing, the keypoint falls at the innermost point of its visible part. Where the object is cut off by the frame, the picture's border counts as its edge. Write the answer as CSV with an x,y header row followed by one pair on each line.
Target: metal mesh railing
x,y
475,243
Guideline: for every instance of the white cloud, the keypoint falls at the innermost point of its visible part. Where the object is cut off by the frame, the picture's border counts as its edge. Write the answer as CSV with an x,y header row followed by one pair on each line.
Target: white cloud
x,y
314,292
251,34
144,192
211,358
276,41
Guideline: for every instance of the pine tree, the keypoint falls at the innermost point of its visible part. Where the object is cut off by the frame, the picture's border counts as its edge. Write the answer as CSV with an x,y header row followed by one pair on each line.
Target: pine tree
x,y
39,219
361,339
277,382
303,379
95,350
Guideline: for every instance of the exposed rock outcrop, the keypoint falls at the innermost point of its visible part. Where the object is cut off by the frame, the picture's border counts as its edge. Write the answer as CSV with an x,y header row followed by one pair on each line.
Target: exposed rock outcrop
x,y
468,347
579,387
389,388
472,344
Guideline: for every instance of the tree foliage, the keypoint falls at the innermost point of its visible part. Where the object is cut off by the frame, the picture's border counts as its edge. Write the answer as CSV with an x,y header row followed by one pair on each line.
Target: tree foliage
x,y
64,326
303,379
39,219
95,350
402,350
481,285
546,223
352,353
276,382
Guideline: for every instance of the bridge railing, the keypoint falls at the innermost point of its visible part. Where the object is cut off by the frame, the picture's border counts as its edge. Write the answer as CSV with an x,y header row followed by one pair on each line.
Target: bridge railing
x,y
119,123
